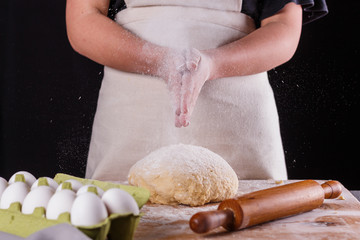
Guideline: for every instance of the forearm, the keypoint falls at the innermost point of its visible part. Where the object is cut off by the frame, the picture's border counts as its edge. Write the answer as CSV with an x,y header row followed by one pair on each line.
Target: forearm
x,y
267,47
94,35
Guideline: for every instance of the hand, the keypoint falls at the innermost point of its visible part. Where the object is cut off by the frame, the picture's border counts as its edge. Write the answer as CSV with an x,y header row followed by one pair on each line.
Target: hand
x,y
197,72
185,72
171,70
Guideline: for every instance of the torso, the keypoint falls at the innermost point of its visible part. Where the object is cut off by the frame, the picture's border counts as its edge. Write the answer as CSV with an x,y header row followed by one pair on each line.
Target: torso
x,y
234,117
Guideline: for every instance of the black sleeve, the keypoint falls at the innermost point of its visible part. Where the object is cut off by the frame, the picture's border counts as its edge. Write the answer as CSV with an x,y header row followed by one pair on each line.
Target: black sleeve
x,y
313,9
114,7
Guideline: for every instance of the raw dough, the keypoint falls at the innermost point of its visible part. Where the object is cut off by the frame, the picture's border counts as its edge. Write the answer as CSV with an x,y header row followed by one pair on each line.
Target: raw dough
x,y
184,174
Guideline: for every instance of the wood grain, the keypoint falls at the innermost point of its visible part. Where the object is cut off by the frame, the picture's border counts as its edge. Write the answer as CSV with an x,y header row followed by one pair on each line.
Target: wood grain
x,y
266,205
334,219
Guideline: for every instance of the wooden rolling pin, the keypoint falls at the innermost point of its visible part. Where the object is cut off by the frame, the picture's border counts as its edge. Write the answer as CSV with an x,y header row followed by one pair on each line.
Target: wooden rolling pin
x,y
266,205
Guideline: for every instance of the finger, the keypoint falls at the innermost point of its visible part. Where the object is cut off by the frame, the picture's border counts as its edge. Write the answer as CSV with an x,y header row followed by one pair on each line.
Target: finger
x,y
186,116
193,101
184,119
180,61
193,58
193,98
177,122
181,68
175,94
187,90
176,97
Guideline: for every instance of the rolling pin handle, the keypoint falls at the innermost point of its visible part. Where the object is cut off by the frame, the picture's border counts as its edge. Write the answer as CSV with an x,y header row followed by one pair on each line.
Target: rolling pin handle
x,y
203,222
332,189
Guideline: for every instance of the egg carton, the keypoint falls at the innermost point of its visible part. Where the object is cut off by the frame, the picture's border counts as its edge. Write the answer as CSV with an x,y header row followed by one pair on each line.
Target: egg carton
x,y
115,227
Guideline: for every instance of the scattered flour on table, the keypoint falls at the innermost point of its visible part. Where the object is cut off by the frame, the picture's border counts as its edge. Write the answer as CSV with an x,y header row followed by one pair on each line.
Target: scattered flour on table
x,y
165,214
184,174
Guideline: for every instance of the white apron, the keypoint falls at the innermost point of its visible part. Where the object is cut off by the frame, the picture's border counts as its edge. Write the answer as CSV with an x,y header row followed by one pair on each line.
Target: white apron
x,y
235,117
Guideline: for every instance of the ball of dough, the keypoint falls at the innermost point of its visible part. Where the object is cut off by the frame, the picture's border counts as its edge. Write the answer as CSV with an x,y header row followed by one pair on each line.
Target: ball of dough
x,y
184,174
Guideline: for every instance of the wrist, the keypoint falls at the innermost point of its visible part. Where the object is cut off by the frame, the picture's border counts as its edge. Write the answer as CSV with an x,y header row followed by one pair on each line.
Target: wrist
x,y
153,60
210,57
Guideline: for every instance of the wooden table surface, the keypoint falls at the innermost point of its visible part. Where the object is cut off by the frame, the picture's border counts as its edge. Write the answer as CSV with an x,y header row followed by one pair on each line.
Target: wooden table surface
x,y
335,219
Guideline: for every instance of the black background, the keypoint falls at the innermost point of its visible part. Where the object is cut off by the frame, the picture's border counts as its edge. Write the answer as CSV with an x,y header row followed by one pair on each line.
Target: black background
x,y
49,95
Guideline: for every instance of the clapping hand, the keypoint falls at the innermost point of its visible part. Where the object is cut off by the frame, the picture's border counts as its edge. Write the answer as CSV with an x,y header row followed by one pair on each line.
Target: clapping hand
x,y
184,91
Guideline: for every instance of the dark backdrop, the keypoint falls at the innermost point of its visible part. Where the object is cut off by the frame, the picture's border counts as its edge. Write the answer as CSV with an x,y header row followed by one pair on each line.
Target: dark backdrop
x,y
49,95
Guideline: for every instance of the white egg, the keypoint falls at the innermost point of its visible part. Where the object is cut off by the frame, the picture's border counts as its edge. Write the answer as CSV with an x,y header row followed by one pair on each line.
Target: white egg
x,y
88,210
50,182
120,201
85,188
29,178
39,197
75,185
64,186
15,192
59,203
3,185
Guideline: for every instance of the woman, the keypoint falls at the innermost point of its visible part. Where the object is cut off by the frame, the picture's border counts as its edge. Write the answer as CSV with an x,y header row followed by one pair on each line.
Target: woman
x,y
202,61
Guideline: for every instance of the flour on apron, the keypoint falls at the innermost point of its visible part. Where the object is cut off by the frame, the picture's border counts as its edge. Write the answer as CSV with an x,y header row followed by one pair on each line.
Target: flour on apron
x,y
235,117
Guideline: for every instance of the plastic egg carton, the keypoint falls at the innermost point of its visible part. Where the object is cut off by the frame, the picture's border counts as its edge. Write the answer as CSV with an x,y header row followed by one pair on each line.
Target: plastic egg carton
x,y
115,226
